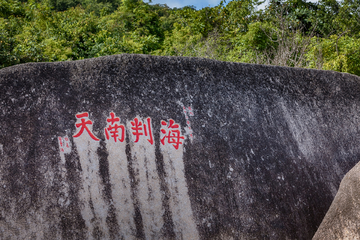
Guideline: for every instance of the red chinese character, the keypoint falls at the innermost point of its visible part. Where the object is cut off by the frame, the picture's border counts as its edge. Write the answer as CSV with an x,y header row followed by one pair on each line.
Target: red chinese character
x,y
137,128
190,131
60,141
185,112
174,136
151,141
190,111
61,144
83,125
66,140
142,129
113,128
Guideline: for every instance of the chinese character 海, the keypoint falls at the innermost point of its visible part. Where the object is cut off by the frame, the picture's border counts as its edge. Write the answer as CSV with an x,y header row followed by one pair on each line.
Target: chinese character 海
x,y
173,135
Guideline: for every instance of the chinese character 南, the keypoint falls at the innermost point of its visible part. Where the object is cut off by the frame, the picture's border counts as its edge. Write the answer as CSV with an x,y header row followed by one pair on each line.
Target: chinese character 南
x,y
112,130
172,135
139,128
83,125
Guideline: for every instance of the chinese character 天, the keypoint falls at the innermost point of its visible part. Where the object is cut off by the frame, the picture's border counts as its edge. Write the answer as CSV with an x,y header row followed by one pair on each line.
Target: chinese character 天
x,y
83,125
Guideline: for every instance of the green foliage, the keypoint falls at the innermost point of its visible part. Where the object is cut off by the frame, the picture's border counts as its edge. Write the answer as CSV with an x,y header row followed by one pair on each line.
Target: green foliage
x,y
54,36
62,5
325,17
11,8
349,17
336,53
294,33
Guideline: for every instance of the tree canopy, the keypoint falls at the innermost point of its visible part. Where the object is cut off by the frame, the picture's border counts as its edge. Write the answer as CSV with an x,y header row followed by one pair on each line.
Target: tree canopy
x,y
295,33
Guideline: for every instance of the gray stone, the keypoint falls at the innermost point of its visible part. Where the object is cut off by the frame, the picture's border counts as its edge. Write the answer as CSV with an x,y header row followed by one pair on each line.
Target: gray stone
x,y
342,221
263,151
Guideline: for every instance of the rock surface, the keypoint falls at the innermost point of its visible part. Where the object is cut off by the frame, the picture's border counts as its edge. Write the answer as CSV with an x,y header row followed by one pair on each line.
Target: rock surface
x,y
342,221
195,148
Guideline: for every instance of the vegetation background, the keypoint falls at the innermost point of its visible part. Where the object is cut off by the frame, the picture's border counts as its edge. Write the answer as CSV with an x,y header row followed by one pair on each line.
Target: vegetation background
x,y
295,33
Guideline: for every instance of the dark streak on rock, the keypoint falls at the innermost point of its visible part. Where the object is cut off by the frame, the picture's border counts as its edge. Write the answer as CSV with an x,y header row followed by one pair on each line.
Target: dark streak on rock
x,y
97,233
111,221
137,217
107,194
72,224
91,204
104,171
31,168
168,228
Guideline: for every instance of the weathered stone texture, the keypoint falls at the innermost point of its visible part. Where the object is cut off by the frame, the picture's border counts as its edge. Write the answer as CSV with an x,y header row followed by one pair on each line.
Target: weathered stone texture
x,y
270,146
342,221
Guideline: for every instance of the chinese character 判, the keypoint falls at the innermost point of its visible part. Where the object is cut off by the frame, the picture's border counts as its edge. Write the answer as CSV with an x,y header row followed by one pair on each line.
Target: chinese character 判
x,y
83,125
142,129
173,135
113,129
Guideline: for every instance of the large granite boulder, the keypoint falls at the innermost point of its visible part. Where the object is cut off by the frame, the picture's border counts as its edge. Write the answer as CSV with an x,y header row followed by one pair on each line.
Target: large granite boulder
x,y
144,147
342,221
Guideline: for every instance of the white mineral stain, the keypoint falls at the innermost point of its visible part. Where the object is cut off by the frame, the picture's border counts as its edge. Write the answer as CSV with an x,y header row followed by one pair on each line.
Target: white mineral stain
x,y
180,205
120,186
148,187
64,188
91,192
300,131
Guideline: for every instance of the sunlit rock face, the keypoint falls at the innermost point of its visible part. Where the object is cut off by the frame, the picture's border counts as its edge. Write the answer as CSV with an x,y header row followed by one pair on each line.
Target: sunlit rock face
x,y
144,147
343,217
